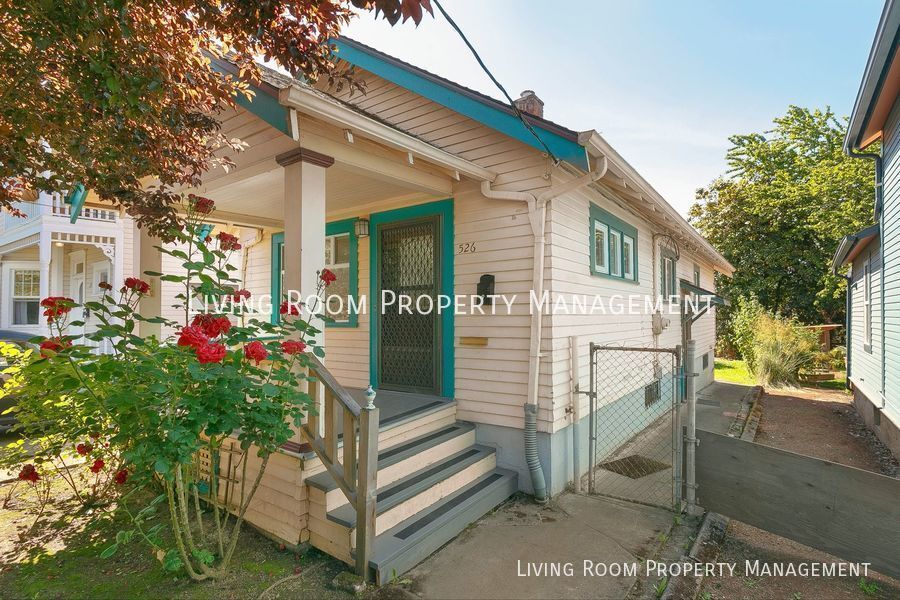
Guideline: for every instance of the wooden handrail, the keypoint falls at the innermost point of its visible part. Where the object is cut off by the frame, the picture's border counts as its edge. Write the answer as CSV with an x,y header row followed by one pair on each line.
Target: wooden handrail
x,y
354,466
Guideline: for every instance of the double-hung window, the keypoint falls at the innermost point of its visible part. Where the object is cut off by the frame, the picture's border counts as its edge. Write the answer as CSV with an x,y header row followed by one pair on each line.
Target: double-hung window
x,y
26,296
613,246
668,268
867,306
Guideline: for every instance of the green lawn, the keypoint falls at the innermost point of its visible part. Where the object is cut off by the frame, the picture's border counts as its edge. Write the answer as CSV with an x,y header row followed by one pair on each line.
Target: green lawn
x,y
59,558
733,371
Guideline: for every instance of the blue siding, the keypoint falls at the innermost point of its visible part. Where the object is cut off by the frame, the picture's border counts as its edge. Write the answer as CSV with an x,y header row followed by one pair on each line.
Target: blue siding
x,y
891,235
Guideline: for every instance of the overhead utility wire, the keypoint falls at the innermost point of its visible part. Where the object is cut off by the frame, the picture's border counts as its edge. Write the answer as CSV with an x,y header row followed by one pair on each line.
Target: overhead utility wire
x,y
512,103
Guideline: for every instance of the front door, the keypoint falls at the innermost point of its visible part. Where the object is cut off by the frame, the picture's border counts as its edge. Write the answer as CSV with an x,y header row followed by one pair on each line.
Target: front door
x,y
408,269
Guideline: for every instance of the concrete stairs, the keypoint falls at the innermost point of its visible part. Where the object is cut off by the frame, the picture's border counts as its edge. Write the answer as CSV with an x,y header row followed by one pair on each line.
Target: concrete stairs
x,y
433,481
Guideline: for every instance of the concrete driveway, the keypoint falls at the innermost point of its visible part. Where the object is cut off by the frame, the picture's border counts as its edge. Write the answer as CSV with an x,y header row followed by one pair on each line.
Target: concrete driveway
x,y
523,550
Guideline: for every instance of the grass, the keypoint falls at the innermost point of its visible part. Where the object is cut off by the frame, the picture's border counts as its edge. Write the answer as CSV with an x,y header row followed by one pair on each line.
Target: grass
x,y
733,371
59,558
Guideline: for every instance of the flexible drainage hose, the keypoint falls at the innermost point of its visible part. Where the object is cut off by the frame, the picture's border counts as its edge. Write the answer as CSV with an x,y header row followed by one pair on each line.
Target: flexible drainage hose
x,y
531,454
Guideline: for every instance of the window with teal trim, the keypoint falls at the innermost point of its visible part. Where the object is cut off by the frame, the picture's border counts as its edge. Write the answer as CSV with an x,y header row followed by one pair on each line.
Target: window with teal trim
x,y
613,246
668,269
341,256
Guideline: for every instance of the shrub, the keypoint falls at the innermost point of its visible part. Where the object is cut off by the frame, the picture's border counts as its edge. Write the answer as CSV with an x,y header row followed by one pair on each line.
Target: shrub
x,y
780,350
743,325
144,413
838,356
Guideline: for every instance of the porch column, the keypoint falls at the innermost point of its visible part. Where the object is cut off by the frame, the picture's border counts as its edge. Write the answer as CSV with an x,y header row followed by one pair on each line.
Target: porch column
x,y
44,254
304,227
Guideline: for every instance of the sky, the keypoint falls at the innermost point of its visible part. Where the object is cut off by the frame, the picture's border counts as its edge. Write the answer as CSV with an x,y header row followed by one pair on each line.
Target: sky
x,y
665,82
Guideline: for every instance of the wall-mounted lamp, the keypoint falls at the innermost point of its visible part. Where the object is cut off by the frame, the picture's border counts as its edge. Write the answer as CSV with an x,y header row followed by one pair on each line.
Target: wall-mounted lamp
x,y
362,228
485,289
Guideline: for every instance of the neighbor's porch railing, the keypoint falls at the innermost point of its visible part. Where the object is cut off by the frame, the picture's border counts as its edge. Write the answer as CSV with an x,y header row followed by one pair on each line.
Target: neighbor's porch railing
x,y
88,213
356,467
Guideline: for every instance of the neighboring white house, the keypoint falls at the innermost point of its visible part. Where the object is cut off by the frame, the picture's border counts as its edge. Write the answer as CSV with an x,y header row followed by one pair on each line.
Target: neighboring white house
x,y
423,186
45,254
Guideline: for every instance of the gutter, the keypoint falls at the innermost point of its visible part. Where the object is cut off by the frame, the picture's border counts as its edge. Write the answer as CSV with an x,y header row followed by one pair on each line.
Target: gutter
x,y
537,217
596,145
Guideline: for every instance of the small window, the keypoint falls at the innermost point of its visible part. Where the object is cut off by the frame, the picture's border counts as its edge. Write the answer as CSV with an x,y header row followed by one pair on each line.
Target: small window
x,y
867,306
696,275
667,272
613,246
628,257
601,253
706,361
26,297
615,253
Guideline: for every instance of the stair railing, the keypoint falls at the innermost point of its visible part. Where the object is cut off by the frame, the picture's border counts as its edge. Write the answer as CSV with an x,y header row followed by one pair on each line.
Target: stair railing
x,y
355,466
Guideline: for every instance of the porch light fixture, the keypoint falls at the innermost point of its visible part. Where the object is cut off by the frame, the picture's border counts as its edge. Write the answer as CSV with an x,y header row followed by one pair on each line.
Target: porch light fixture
x,y
362,228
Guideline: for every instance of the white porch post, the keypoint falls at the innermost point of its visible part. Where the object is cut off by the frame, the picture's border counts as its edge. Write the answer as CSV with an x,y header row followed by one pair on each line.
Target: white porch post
x,y
304,228
44,255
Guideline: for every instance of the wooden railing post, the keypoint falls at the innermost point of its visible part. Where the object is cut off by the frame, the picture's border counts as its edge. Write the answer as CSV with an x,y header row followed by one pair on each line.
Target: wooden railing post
x,y
366,485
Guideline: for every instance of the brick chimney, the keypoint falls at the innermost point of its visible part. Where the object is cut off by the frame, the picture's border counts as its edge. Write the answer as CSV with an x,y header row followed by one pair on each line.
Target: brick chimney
x,y
528,102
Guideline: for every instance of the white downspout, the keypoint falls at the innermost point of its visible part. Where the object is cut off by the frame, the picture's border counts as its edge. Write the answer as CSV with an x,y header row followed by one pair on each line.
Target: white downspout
x,y
537,216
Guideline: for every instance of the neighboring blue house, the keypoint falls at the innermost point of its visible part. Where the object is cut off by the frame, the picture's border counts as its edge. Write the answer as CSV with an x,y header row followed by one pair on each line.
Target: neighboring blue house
x,y
873,315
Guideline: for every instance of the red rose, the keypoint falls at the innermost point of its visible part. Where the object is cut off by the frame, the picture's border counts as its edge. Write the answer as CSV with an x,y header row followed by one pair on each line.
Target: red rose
x,y
56,306
327,276
292,347
255,351
239,295
227,241
136,285
210,353
289,308
121,476
29,473
97,466
55,345
212,325
192,336
84,449
201,205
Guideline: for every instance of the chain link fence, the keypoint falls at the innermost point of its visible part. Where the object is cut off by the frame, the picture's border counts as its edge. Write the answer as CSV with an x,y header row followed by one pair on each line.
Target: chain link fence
x,y
635,444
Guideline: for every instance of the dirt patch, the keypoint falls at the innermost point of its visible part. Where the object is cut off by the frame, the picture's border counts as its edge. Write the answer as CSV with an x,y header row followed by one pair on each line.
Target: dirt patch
x,y
822,424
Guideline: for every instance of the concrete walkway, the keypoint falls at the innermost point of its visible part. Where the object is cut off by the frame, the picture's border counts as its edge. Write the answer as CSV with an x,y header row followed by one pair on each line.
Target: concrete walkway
x,y
498,556
722,406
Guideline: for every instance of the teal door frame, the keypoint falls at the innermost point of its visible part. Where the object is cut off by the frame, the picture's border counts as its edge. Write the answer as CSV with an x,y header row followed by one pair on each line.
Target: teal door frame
x,y
443,209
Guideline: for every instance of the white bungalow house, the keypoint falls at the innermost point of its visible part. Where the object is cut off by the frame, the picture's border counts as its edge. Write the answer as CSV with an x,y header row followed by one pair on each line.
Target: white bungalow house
x,y
422,186
47,252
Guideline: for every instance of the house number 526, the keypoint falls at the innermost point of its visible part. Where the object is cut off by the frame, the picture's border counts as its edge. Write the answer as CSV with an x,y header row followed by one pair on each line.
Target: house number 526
x,y
465,248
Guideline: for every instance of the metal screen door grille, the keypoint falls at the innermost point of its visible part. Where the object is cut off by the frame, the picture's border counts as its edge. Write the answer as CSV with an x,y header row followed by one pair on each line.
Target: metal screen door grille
x,y
408,348
634,428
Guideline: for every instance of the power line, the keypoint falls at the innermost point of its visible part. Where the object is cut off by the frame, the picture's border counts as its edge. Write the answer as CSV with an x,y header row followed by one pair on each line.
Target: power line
x,y
487,71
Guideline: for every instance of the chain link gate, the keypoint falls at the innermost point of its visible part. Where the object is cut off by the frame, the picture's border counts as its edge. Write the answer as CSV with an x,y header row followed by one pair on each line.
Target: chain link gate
x,y
635,435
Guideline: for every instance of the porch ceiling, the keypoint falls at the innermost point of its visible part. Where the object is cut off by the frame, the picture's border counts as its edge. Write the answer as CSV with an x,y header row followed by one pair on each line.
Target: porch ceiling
x,y
364,173
262,195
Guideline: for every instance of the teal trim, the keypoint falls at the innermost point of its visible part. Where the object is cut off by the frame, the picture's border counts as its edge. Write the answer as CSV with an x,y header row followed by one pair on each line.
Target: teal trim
x,y
333,228
487,112
614,224
263,104
444,209
76,198
205,230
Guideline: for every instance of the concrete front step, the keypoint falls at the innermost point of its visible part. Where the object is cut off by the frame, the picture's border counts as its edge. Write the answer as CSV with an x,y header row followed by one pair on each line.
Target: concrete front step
x,y
399,460
408,543
416,492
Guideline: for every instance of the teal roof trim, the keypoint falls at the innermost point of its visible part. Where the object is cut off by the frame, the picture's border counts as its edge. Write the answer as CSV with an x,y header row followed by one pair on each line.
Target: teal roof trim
x,y
490,112
264,102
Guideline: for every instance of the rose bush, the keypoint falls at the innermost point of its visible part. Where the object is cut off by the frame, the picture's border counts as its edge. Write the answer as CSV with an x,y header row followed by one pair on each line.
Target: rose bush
x,y
156,412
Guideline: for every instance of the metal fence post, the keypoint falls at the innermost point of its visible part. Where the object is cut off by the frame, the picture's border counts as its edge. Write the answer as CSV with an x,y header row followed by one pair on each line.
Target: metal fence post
x,y
592,439
691,434
678,433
